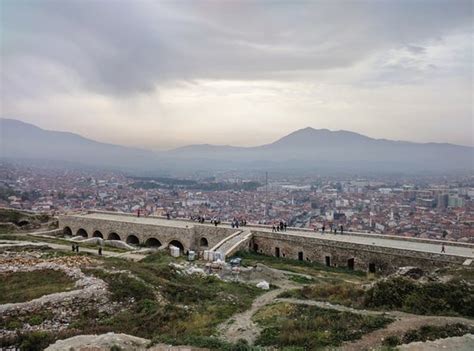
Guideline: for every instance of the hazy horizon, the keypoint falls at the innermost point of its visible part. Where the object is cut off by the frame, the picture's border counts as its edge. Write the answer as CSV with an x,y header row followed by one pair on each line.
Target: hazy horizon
x,y
160,75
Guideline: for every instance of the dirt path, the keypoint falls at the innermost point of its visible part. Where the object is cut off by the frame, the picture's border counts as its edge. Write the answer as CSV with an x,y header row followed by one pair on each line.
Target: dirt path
x,y
241,326
403,322
65,247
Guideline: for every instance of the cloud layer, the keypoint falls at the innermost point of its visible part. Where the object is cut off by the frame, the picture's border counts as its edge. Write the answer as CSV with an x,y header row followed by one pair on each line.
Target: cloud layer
x,y
194,71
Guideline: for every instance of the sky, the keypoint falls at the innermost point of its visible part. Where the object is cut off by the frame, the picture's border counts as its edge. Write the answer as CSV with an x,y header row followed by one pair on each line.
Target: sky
x,y
163,74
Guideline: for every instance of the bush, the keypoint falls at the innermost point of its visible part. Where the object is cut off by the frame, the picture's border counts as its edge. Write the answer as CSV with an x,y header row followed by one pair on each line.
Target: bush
x,y
429,332
455,297
391,341
35,341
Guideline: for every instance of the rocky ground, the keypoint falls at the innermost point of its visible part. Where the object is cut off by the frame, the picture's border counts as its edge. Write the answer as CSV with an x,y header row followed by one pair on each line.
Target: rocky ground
x,y
90,292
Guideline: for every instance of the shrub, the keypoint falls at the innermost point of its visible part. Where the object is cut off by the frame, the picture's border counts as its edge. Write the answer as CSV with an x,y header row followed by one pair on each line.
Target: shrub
x,y
454,297
391,341
430,332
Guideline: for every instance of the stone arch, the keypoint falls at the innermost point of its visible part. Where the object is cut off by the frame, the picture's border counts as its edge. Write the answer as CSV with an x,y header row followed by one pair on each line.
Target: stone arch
x,y
133,240
203,242
153,242
98,234
177,244
82,232
67,231
113,236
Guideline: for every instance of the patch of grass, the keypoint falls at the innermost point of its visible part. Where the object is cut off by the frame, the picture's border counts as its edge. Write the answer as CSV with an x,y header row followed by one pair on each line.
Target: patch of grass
x,y
25,286
311,327
194,305
209,342
124,287
340,293
300,279
34,341
455,297
429,333
391,341
458,272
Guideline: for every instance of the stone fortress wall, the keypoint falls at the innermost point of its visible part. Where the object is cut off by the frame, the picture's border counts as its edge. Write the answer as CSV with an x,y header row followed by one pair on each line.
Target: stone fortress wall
x,y
190,236
345,254
294,244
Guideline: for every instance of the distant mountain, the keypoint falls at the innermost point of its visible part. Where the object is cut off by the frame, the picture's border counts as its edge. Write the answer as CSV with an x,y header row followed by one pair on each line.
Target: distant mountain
x,y
20,140
305,149
311,148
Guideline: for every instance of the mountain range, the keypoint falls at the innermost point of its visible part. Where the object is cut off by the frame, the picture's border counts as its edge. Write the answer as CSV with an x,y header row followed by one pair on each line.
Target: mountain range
x,y
304,149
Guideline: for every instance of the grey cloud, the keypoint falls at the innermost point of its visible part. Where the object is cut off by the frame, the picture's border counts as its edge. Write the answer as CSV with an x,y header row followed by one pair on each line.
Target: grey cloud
x,y
123,47
416,50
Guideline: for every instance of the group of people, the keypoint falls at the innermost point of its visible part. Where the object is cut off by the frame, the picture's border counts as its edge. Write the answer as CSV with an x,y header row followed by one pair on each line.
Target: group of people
x,y
332,229
199,219
238,223
75,248
280,227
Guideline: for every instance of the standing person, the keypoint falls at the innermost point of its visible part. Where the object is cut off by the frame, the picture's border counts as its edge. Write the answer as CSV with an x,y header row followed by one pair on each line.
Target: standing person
x,y
77,248
442,248
138,213
73,247
342,229
324,228
285,225
100,250
273,229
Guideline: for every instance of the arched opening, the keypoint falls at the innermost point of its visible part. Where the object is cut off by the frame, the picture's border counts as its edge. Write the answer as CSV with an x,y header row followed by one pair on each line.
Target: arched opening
x,y
133,240
277,252
98,234
177,244
67,231
113,236
152,242
203,242
350,264
82,232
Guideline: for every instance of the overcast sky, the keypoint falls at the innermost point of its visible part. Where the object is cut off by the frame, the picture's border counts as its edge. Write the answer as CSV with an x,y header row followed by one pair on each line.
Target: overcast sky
x,y
161,74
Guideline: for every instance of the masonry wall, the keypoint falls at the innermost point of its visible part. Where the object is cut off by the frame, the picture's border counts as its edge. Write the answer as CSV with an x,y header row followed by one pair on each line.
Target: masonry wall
x,y
189,237
211,233
339,253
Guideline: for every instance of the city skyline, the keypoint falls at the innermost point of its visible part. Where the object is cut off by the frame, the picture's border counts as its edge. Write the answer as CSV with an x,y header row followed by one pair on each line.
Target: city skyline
x,y
163,75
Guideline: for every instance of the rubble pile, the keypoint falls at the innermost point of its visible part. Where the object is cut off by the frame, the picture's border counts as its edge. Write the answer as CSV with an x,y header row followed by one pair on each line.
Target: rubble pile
x,y
31,260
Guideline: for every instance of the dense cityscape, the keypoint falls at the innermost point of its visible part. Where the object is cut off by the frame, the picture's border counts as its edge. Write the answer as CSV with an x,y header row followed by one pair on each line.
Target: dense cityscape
x,y
418,206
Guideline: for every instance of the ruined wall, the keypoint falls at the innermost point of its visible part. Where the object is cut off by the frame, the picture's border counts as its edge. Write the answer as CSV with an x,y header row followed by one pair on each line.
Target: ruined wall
x,y
339,253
